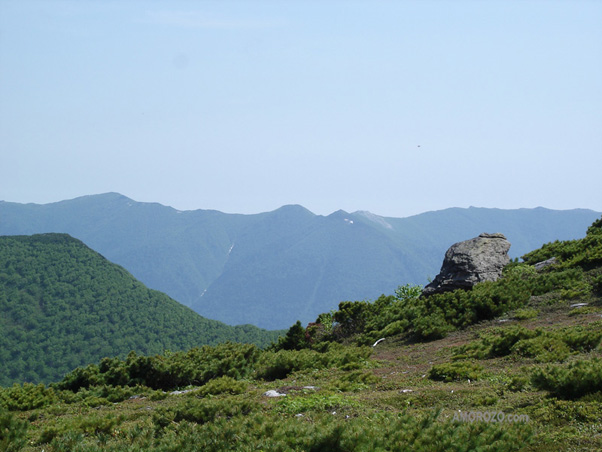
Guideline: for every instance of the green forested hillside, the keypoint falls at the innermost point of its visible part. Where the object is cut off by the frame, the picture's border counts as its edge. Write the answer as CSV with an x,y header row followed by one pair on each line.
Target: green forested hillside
x,y
63,305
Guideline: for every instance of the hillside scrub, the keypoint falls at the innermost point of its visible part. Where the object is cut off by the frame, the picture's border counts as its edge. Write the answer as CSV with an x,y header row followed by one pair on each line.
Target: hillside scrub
x,y
585,253
412,392
433,317
571,381
542,344
12,432
421,318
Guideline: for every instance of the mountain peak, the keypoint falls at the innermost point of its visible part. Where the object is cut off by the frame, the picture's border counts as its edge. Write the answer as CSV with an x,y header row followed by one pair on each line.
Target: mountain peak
x,y
373,218
338,213
293,208
291,212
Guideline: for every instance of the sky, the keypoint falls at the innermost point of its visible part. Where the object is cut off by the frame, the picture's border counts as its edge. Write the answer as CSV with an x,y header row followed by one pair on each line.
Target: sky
x,y
395,107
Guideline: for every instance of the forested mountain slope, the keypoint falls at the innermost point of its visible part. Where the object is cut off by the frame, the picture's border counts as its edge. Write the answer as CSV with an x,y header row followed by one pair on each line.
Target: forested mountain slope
x,y
63,305
273,268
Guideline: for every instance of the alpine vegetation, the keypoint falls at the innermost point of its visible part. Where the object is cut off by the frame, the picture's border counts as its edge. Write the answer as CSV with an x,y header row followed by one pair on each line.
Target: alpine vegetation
x,y
511,362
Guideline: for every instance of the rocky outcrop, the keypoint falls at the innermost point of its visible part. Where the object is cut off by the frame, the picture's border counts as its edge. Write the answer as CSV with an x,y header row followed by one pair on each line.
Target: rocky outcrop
x,y
541,265
470,262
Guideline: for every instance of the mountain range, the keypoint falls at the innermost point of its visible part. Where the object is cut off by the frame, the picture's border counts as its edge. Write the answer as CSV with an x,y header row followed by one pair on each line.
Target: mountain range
x,y
271,269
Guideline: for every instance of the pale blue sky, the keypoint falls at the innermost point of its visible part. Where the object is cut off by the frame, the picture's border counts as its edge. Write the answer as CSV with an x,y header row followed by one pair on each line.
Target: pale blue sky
x,y
396,107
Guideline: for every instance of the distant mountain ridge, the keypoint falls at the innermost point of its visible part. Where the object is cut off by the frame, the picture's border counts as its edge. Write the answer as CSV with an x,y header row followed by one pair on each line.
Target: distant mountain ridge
x,y
271,269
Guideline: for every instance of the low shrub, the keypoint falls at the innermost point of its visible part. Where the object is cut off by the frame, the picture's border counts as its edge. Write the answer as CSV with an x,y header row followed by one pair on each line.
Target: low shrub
x,y
327,432
355,381
543,348
103,394
496,342
561,280
26,397
222,385
201,411
69,441
280,364
13,432
196,366
456,371
543,345
558,412
518,383
571,381
585,253
525,314
583,338
62,436
431,327
97,424
597,285
95,402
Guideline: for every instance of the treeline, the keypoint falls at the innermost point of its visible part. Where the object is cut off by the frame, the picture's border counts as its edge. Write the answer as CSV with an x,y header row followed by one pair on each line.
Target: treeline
x,y
62,305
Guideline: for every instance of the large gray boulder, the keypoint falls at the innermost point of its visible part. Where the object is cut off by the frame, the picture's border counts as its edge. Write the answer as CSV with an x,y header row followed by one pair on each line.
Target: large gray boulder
x,y
470,262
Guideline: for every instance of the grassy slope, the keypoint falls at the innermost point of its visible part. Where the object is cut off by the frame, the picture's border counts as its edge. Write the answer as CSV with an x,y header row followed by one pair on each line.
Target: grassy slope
x,y
381,404
398,367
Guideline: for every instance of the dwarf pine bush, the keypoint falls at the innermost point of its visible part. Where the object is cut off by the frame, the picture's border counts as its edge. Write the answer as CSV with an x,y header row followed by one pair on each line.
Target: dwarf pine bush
x,y
222,385
456,371
571,381
327,432
543,345
201,411
26,397
196,366
12,432
544,348
280,364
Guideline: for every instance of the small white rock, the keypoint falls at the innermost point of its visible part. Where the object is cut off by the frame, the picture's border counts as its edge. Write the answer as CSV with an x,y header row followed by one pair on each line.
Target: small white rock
x,y
273,393
180,392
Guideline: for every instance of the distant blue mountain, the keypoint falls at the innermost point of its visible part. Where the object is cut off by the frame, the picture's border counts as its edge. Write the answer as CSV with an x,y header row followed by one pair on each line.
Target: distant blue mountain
x,y
271,269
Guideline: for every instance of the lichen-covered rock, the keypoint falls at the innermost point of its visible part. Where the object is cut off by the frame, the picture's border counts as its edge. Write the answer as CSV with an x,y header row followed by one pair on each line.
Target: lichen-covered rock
x,y
470,262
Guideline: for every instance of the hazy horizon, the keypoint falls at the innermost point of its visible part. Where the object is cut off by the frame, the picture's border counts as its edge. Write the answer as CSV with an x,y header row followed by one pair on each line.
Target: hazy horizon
x,y
295,204
396,108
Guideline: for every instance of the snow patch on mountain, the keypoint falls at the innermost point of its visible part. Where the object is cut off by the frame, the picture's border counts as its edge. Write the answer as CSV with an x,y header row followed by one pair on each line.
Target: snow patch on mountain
x,y
374,218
